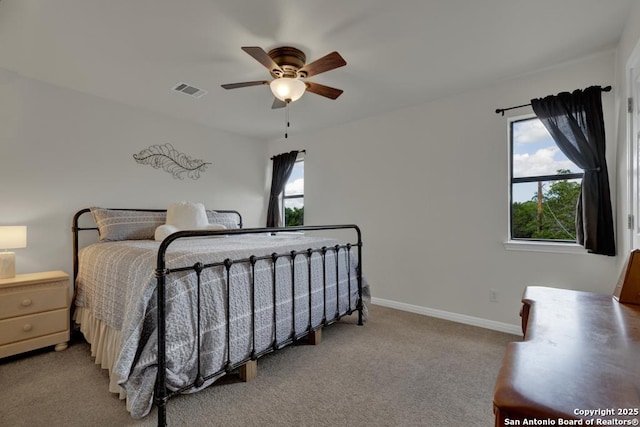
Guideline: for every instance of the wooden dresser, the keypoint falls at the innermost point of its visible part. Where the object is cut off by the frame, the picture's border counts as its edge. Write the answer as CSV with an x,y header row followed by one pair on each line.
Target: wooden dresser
x,y
34,312
580,360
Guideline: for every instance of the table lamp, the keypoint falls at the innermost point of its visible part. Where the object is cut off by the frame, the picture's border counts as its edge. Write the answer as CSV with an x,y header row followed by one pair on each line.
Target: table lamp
x,y
11,237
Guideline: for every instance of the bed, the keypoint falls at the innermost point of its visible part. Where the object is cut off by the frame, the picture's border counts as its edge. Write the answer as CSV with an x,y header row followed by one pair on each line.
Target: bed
x,y
173,316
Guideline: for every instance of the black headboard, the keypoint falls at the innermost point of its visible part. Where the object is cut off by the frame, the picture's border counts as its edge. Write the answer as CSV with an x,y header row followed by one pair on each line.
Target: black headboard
x,y
76,228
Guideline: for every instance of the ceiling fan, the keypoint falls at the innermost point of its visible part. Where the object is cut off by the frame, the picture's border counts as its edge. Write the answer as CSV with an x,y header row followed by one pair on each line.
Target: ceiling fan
x,y
287,66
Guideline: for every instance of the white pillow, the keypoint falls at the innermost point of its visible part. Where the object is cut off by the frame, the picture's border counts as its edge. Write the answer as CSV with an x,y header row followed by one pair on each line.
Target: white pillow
x,y
187,215
163,231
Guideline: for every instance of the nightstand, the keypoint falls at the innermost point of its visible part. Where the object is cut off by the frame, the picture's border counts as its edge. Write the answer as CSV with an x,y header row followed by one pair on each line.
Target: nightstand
x,y
34,312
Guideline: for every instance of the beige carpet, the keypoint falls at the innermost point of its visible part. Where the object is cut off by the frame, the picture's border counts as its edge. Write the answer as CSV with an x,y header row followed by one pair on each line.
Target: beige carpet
x,y
399,369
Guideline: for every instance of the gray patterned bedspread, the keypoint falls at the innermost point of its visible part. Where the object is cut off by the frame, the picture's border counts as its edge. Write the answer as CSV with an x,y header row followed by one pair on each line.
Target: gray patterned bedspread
x,y
116,280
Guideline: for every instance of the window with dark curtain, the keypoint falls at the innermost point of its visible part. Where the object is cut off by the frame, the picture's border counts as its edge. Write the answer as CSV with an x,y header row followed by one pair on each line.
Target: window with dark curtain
x,y
576,123
282,168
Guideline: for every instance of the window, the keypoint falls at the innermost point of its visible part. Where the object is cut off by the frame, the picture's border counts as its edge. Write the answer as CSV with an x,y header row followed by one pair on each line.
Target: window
x,y
293,197
545,185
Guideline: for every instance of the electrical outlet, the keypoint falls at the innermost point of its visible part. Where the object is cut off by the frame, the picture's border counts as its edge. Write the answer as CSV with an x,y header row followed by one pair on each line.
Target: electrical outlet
x,y
493,296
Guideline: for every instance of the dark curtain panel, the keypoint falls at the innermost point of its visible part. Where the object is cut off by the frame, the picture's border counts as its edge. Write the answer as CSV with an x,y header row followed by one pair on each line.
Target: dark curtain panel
x,y
282,168
575,121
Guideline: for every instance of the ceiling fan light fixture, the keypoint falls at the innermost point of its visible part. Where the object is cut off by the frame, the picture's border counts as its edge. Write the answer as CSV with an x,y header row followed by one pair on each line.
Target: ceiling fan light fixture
x,y
287,89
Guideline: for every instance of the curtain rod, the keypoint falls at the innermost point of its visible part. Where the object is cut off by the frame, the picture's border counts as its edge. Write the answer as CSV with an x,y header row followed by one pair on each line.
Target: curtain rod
x,y
299,151
502,110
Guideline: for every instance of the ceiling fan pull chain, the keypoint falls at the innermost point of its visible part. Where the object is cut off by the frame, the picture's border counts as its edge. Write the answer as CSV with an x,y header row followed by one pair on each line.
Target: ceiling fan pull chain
x,y
286,129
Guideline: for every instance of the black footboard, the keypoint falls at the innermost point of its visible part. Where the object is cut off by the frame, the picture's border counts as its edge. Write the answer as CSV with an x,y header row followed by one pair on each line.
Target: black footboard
x,y
162,394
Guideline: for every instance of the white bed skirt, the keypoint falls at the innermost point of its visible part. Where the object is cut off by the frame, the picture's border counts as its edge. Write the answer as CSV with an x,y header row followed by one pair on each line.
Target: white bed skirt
x,y
104,342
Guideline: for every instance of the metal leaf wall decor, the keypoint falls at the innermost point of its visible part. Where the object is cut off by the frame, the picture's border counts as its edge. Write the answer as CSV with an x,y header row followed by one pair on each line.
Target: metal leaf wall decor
x,y
170,160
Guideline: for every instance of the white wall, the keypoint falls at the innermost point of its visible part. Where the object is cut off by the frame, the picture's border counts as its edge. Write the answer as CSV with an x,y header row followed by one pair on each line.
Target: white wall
x,y
62,151
428,186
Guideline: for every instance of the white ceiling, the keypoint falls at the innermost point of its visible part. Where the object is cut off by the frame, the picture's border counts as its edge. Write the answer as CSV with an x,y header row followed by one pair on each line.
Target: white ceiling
x,y
399,53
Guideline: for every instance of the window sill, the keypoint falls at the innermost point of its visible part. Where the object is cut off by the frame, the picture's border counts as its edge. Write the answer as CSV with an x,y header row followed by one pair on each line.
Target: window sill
x,y
563,248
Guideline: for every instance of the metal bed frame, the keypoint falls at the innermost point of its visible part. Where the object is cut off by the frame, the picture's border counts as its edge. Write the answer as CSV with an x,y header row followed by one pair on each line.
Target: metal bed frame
x,y
162,393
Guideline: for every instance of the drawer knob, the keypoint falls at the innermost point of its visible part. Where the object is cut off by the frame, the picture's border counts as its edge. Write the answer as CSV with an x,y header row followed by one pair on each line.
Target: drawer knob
x,y
26,302
27,327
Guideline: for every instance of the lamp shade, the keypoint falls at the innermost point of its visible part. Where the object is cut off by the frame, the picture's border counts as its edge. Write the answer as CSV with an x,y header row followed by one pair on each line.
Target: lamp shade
x,y
287,89
13,237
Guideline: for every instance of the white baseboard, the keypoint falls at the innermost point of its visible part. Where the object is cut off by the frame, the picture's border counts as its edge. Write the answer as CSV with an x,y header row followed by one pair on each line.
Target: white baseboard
x,y
454,317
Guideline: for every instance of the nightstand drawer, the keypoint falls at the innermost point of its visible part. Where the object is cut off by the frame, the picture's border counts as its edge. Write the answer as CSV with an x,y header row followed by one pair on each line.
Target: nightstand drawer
x,y
33,300
35,325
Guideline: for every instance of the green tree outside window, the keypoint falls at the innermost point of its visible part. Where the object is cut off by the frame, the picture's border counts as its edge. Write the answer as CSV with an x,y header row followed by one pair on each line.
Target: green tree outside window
x,y
550,214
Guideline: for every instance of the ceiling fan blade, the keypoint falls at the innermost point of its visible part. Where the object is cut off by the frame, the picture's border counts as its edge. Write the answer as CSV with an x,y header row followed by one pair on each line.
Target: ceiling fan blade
x,y
326,91
245,84
326,63
262,57
277,103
